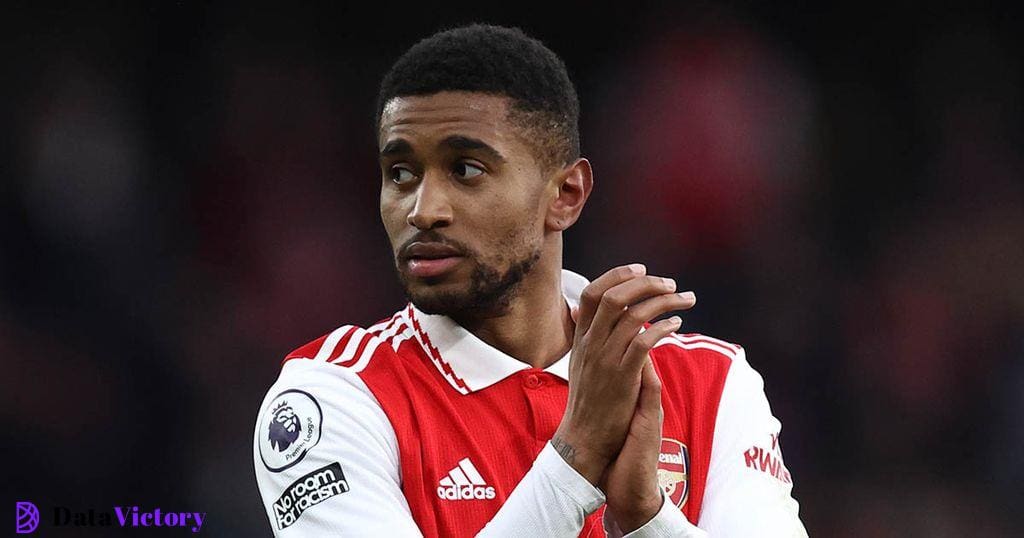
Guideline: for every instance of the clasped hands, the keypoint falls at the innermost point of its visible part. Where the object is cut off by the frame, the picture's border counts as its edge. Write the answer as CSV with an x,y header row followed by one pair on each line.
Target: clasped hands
x,y
611,430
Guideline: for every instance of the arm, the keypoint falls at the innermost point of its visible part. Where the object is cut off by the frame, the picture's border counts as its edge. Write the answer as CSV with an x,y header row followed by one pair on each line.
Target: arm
x,y
610,348
355,469
611,431
633,476
353,465
552,499
749,489
668,522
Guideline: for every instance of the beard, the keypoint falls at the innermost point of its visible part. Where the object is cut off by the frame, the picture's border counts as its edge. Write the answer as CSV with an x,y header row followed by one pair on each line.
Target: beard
x,y
490,291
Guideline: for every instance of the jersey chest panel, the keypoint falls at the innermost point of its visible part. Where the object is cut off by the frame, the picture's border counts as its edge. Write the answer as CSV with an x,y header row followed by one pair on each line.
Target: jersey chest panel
x,y
462,455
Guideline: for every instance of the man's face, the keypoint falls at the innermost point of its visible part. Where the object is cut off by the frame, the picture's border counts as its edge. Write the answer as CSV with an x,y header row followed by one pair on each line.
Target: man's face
x,y
461,200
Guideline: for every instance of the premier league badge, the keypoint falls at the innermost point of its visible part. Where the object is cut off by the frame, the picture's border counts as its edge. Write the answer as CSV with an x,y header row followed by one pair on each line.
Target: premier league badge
x,y
289,427
674,471
285,426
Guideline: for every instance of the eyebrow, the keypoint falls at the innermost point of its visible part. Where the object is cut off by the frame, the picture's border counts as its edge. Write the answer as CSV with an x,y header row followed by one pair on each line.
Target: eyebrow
x,y
472,144
396,147
401,146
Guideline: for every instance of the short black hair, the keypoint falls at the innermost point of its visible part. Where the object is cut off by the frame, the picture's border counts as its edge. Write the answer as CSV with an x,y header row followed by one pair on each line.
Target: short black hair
x,y
499,61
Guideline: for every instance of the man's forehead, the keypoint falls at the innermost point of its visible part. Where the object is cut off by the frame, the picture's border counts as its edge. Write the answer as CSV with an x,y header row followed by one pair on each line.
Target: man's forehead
x,y
445,112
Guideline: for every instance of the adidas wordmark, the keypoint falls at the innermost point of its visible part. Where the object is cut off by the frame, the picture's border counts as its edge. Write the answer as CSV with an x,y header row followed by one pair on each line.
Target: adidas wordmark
x,y
463,483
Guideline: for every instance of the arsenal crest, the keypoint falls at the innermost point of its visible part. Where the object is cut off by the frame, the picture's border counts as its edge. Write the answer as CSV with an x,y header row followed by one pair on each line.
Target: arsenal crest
x,y
674,471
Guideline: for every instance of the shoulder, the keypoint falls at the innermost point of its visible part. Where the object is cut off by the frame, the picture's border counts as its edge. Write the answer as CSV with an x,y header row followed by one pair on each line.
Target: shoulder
x,y
353,347
701,356
320,423
349,346
348,367
321,391
697,341
325,372
708,365
324,377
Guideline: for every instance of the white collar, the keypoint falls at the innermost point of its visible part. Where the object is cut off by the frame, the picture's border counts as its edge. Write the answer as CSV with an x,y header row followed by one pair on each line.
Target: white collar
x,y
469,363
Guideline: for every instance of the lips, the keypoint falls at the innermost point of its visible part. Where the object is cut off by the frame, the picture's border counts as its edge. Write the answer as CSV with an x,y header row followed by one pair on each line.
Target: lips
x,y
426,260
430,251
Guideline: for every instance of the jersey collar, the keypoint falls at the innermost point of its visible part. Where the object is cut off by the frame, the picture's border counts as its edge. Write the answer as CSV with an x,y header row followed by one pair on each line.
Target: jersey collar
x,y
470,364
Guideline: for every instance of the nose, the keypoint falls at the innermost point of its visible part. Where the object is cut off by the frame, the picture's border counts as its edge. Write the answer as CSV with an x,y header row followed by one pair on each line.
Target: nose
x,y
433,208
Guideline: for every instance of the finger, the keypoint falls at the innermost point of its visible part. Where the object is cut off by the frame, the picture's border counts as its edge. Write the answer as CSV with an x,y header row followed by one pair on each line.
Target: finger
x,y
590,298
635,316
639,347
650,389
615,301
649,406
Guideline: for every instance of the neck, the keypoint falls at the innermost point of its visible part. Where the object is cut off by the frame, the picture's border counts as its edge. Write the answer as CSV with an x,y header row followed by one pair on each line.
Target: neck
x,y
536,328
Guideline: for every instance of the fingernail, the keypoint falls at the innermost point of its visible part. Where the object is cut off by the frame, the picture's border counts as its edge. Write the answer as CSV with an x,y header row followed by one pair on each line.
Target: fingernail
x,y
637,268
688,295
669,283
675,320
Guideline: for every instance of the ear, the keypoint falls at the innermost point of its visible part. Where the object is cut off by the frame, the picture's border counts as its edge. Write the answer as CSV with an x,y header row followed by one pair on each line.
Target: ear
x,y
574,183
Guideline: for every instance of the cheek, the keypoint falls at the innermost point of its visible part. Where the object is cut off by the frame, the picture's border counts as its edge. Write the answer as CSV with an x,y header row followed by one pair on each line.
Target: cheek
x,y
391,213
513,233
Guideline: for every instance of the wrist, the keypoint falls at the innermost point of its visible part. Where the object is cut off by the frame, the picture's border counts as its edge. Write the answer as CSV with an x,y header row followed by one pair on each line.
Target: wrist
x,y
587,462
637,514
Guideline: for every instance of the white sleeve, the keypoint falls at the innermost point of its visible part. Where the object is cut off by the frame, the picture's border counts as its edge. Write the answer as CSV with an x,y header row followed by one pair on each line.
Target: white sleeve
x,y
330,465
668,522
552,499
748,489
327,463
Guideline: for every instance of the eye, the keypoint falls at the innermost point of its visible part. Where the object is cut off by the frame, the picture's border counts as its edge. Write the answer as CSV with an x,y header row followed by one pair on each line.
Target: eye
x,y
467,171
401,175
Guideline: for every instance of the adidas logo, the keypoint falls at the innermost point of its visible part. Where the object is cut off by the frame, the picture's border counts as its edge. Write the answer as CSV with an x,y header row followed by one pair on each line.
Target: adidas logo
x,y
464,482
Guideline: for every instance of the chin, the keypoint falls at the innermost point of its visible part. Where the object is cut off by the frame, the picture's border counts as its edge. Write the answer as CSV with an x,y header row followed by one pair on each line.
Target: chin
x,y
441,295
441,303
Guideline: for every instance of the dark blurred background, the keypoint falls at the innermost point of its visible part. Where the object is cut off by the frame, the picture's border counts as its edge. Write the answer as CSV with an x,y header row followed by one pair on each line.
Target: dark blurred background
x,y
189,191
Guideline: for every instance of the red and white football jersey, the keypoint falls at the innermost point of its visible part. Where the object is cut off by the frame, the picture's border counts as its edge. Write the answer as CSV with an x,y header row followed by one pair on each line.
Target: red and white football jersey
x,y
414,426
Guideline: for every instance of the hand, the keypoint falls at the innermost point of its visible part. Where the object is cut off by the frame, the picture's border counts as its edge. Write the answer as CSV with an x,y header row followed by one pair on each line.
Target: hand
x,y
607,355
631,483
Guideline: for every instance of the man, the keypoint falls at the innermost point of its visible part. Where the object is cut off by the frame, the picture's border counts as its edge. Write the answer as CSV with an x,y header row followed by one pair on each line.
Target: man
x,y
511,397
